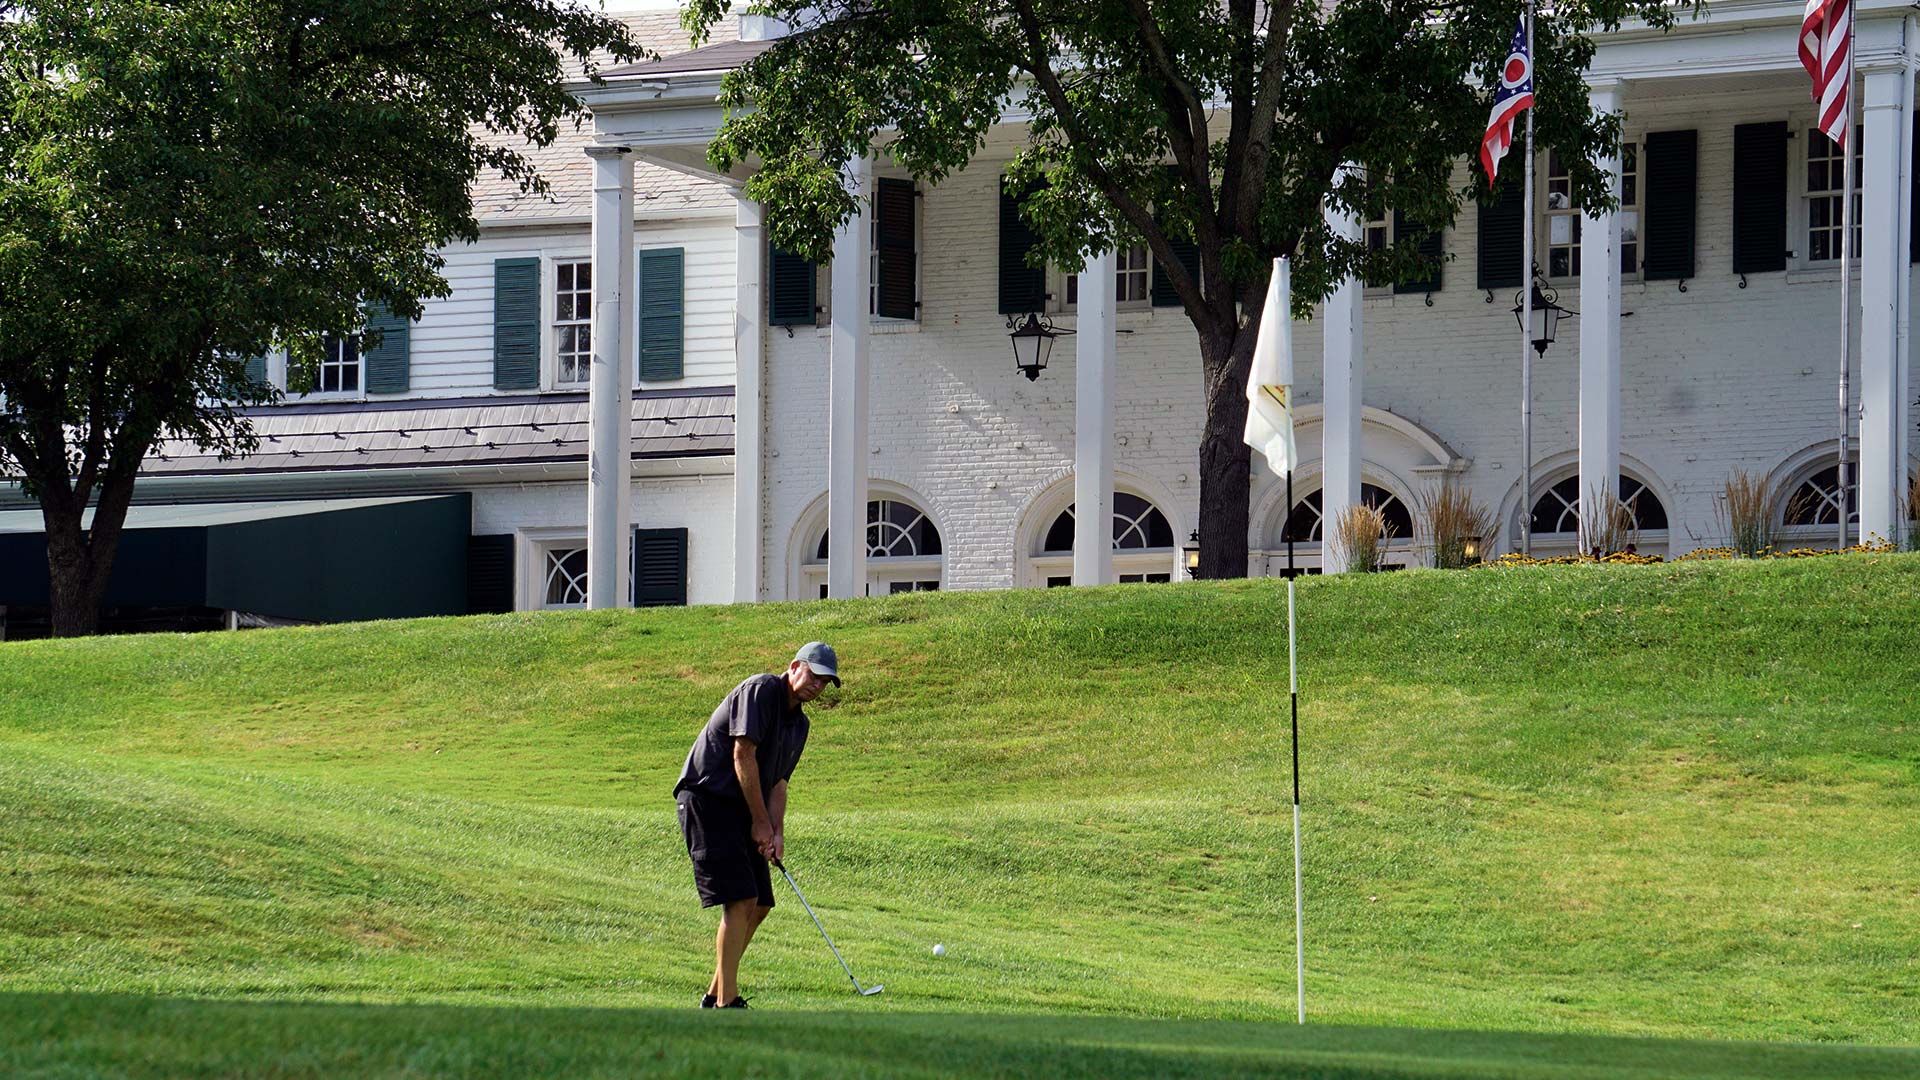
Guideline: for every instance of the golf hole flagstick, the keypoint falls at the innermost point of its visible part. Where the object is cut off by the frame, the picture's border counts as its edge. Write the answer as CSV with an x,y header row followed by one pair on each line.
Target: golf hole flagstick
x,y
865,991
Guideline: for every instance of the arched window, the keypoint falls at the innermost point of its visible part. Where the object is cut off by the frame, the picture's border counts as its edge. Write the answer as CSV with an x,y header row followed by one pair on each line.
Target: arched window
x,y
1816,500
1303,524
1138,525
904,552
1557,511
894,530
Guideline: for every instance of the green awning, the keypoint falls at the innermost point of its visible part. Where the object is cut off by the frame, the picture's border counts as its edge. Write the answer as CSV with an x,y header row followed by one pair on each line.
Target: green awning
x,y
323,560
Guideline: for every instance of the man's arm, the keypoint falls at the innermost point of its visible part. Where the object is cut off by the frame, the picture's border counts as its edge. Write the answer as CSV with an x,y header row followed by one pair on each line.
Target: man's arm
x,y
746,767
778,808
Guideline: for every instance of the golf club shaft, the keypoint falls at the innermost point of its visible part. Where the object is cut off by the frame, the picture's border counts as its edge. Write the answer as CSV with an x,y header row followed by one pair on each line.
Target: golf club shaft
x,y
816,922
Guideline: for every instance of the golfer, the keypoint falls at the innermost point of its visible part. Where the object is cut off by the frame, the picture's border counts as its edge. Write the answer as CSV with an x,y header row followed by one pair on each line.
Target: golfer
x,y
733,802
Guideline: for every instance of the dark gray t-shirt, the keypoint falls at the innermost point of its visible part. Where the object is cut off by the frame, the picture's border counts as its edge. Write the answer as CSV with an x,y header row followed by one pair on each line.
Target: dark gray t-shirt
x,y
757,709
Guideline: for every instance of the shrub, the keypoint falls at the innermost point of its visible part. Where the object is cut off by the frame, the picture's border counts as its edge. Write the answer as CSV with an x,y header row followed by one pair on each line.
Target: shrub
x,y
1360,536
1746,513
1606,524
1455,522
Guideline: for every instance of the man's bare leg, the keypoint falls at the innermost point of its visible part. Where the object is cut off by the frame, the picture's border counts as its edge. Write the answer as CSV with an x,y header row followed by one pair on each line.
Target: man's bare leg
x,y
738,921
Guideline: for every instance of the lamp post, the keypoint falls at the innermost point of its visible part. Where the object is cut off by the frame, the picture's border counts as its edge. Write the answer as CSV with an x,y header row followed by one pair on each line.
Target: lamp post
x,y
1541,324
1032,342
1191,549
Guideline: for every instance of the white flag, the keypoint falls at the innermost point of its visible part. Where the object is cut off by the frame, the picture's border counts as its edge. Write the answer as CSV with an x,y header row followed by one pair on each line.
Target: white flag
x,y
1270,383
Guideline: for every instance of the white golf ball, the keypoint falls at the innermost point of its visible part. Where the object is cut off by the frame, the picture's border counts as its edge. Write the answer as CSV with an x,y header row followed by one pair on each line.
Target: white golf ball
x,y
939,950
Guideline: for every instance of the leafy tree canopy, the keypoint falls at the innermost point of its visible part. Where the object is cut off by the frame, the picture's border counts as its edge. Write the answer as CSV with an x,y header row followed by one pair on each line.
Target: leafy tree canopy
x,y
187,183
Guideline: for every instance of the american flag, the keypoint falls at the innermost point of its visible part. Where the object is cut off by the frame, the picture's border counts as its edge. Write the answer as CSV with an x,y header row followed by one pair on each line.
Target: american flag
x,y
1515,94
1826,42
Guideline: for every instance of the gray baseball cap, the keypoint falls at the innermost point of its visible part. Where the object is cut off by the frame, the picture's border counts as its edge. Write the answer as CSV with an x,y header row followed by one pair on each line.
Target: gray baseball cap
x,y
819,656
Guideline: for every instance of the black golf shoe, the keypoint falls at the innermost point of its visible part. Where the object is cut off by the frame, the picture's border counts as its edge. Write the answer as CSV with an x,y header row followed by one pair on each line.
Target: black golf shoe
x,y
736,1003
708,1001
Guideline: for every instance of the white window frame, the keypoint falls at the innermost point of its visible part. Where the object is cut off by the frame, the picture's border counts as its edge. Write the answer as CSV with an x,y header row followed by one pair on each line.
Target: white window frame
x,y
358,393
1800,239
1135,261
1544,180
551,324
926,572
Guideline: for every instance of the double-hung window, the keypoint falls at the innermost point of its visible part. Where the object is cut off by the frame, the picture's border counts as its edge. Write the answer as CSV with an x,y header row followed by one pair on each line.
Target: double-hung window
x,y
1826,176
339,371
572,321
1560,236
1131,269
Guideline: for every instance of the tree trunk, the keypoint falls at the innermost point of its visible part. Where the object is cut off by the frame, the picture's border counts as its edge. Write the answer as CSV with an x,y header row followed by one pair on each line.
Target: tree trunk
x,y
80,560
1224,454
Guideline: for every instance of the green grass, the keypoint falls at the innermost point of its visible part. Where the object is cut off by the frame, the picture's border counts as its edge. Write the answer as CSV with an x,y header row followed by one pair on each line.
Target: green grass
x,y
1675,801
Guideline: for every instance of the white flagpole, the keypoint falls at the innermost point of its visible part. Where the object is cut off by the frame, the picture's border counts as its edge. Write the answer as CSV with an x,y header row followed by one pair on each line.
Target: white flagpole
x,y
1847,148
1293,693
1526,317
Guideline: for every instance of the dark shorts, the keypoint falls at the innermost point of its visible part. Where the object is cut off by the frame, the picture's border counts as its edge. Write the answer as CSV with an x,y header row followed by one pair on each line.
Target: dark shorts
x,y
726,864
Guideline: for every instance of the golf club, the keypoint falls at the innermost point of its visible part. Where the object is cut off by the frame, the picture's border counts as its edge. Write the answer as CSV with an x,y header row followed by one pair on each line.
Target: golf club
x,y
865,991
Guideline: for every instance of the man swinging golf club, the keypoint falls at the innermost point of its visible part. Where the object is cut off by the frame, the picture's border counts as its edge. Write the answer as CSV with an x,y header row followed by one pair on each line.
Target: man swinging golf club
x,y
733,802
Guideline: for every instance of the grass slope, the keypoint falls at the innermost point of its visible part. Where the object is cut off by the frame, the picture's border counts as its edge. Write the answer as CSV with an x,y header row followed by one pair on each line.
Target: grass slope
x,y
1669,801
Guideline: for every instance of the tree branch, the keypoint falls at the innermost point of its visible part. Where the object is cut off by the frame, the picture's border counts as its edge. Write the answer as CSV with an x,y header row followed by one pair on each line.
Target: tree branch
x,y
1182,96
1266,106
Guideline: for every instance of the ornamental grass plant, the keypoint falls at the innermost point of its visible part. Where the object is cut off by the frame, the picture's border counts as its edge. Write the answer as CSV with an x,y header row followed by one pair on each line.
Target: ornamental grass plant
x,y
1457,523
1607,524
1745,513
1360,536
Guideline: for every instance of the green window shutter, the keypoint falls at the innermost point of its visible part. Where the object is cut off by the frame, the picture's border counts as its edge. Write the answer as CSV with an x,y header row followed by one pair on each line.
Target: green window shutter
x,y
662,314
516,324
387,362
1023,288
659,567
1759,198
490,574
1431,245
257,370
1671,168
893,244
790,287
1186,252
1501,223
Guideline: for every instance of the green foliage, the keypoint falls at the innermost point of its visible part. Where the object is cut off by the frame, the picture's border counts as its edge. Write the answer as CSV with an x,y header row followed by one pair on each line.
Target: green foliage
x,y
1562,799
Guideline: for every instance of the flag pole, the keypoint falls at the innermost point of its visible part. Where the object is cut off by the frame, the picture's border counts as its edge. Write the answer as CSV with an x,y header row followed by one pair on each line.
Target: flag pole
x,y
1293,697
1526,323
1846,284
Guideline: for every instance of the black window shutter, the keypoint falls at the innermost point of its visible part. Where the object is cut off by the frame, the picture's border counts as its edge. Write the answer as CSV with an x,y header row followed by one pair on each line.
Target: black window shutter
x,y
893,239
1501,222
659,567
1186,252
790,285
1023,288
1672,167
387,362
1759,198
1431,246
516,324
489,574
1913,211
662,313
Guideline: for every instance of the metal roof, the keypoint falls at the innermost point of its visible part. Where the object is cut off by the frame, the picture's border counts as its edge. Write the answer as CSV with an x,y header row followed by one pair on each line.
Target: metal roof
x,y
200,515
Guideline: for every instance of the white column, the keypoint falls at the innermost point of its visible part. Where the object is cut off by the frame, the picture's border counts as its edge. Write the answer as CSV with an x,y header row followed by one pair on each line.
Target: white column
x,y
610,391
1600,332
1344,356
847,384
1884,279
1094,356
749,322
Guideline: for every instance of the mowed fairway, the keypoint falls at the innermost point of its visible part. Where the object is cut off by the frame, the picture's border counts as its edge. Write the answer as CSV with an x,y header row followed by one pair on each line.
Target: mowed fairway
x,y
1675,801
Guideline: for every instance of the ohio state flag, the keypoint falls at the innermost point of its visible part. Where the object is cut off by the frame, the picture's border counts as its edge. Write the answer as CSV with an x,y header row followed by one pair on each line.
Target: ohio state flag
x,y
1515,93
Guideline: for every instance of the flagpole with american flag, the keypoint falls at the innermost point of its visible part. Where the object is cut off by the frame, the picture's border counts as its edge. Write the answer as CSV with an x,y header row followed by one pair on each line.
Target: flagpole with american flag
x,y
1269,429
1826,51
1514,95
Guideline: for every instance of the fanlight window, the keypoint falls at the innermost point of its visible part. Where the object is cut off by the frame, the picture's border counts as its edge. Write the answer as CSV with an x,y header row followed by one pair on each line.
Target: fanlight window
x,y
1137,526
1304,522
566,576
1558,511
1817,500
894,530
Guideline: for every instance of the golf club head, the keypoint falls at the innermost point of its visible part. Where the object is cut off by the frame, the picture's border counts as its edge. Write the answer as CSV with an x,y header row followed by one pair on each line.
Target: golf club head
x,y
871,990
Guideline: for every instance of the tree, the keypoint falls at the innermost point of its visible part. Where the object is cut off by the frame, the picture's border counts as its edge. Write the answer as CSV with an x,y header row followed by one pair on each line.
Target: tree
x,y
1216,124
185,184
